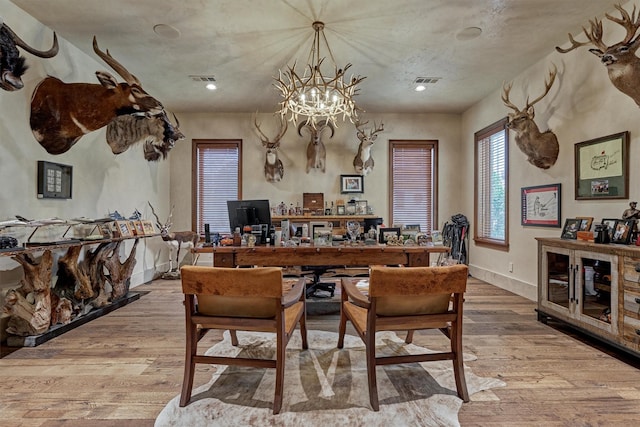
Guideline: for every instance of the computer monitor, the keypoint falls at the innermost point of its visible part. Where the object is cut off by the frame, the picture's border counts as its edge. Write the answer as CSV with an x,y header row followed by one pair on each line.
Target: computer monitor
x,y
249,212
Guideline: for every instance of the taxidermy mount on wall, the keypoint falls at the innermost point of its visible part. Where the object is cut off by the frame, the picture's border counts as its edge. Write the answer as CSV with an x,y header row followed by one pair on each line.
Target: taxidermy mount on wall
x,y
273,167
620,59
363,162
12,65
316,151
541,148
61,113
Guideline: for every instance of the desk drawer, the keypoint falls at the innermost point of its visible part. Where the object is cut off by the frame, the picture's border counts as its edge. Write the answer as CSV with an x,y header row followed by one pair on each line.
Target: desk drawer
x,y
632,304
630,275
631,332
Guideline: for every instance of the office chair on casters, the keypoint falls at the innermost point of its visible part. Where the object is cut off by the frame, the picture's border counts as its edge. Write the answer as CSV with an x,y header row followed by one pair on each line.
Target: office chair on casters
x,y
240,299
407,299
316,284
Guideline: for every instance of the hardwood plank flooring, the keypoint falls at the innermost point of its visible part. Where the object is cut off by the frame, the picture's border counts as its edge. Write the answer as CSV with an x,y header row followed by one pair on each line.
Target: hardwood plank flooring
x,y
121,369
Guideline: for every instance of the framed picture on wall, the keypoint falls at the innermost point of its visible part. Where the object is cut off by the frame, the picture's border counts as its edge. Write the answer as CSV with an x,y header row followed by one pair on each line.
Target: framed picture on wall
x,y
351,184
54,180
540,205
602,168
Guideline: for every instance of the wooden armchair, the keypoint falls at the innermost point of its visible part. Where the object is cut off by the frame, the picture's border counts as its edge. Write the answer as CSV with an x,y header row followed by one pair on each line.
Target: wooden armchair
x,y
246,299
407,298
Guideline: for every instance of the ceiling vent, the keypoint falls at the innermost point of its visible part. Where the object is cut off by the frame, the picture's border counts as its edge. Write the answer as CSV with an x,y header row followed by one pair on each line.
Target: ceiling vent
x,y
202,78
426,80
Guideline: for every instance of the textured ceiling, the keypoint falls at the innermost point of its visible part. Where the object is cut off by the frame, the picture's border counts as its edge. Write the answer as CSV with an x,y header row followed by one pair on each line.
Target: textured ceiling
x,y
243,43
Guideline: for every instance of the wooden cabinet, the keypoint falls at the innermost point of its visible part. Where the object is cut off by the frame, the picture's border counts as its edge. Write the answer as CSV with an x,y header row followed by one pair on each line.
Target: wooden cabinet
x,y
593,287
339,221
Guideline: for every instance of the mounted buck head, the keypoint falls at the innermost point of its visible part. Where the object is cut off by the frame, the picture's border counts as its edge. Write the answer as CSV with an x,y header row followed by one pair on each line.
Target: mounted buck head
x,y
273,167
363,162
157,132
541,148
316,151
12,65
177,239
620,59
62,112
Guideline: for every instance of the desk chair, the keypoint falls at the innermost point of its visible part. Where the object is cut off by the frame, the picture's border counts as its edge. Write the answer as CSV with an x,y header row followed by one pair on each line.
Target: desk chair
x,y
407,298
247,299
316,283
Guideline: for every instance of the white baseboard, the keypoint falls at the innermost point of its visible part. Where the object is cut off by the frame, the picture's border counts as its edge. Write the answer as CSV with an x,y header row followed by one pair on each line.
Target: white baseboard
x,y
518,287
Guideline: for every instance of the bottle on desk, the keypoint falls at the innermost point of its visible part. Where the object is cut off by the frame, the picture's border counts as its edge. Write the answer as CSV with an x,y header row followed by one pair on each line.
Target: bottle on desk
x,y
237,238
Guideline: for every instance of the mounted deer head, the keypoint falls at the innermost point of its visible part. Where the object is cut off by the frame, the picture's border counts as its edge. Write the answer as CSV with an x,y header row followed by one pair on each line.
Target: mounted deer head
x,y
177,239
620,59
316,151
363,162
62,112
12,65
273,167
157,132
541,148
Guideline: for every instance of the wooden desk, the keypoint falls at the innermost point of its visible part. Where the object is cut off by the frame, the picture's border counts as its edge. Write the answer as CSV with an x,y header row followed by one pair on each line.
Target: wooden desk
x,y
278,256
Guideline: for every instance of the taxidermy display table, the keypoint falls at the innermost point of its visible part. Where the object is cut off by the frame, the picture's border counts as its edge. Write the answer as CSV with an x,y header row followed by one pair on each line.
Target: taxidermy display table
x,y
281,256
83,290
593,287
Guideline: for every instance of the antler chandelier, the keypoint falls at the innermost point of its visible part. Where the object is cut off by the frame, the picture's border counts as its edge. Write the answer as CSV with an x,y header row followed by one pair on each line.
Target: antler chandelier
x,y
314,95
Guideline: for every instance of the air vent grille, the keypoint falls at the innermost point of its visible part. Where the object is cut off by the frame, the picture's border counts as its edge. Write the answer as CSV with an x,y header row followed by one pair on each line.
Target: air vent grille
x,y
202,78
426,80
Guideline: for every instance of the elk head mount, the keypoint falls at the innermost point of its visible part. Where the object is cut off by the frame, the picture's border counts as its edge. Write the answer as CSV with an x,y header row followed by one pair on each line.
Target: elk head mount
x,y
157,132
620,59
61,113
273,167
12,65
541,148
363,162
316,151
177,239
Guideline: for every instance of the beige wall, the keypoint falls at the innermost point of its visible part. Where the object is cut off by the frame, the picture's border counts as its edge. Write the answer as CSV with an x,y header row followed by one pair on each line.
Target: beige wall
x,y
102,182
341,150
582,105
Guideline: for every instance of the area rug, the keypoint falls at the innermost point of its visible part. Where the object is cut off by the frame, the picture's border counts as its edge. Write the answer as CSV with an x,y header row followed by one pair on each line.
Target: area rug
x,y
324,386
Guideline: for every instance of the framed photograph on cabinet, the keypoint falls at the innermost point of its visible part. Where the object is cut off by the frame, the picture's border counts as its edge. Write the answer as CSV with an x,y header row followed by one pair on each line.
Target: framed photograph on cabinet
x,y
540,205
385,233
571,228
585,222
351,184
622,231
611,225
602,168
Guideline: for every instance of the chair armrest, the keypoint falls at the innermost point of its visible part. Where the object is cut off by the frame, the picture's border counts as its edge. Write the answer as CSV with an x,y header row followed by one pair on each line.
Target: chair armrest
x,y
354,294
294,294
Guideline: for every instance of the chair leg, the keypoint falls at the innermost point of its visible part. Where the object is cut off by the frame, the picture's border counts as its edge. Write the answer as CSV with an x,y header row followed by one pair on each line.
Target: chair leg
x,y
343,326
189,365
370,350
234,337
280,357
409,338
458,362
303,330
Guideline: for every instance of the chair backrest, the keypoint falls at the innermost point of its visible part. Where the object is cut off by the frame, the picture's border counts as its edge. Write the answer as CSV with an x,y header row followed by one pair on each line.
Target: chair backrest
x,y
405,291
234,292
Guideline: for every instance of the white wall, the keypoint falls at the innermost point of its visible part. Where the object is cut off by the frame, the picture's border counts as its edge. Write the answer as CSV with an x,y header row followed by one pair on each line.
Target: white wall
x,y
341,149
102,182
582,105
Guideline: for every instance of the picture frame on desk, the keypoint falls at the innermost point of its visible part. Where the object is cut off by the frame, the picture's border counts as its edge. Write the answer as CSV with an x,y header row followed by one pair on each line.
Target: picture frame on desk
x,y
571,228
341,210
623,231
122,229
385,233
147,227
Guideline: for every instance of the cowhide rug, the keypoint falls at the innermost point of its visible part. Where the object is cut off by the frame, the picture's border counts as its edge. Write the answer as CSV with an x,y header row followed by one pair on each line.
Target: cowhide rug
x,y
324,386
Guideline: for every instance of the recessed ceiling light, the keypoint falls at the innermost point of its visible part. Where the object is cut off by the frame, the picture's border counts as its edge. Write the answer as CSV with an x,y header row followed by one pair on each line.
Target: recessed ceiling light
x,y
469,33
420,88
211,86
166,31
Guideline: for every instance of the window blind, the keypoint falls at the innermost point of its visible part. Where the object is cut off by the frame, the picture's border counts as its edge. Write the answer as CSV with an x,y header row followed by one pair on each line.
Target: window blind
x,y
217,179
412,183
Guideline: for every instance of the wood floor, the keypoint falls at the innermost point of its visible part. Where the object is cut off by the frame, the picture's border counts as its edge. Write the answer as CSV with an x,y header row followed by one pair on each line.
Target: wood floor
x,y
121,369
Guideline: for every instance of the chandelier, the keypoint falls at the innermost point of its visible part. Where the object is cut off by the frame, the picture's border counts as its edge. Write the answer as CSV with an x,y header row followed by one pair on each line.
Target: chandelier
x,y
313,95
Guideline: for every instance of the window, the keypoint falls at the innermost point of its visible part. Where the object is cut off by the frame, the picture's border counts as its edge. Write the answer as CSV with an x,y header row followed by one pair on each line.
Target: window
x,y
217,171
413,183
492,186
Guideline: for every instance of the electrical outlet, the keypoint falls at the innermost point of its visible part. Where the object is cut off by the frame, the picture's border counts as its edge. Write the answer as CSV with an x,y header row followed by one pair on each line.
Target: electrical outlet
x,y
510,267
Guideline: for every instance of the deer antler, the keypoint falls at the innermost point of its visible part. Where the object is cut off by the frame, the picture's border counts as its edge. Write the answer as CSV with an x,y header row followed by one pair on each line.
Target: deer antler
x,y
630,23
505,97
117,67
547,86
594,37
153,211
376,129
266,142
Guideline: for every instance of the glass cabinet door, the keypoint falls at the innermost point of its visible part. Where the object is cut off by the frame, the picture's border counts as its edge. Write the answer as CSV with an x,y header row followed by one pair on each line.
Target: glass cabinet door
x,y
557,278
597,279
